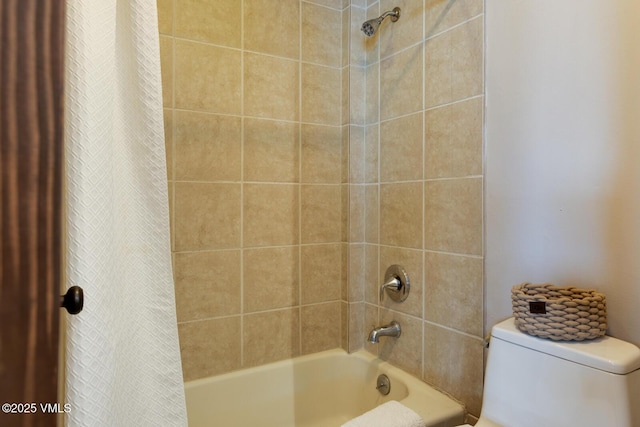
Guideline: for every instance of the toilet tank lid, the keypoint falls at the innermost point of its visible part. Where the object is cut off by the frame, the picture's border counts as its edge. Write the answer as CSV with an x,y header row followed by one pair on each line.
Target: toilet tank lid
x,y
607,353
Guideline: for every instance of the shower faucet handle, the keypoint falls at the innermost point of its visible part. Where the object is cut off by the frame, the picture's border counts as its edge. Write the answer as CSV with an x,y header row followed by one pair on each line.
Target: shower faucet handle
x,y
392,285
396,284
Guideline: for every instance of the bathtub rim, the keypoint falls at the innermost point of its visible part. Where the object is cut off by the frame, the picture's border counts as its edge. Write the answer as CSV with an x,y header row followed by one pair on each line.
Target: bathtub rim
x,y
432,405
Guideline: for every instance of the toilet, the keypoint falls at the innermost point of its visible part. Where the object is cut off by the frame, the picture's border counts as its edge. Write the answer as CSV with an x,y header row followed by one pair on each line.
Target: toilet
x,y
533,382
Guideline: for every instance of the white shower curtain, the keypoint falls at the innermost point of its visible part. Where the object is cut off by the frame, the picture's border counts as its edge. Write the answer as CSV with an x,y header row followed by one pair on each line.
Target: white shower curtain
x,y
123,357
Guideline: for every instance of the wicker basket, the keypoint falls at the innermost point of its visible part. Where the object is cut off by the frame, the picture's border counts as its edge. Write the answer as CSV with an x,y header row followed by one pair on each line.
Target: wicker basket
x,y
556,313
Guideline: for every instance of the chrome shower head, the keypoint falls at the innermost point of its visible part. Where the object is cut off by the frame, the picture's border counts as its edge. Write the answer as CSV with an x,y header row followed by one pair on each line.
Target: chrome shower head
x,y
370,27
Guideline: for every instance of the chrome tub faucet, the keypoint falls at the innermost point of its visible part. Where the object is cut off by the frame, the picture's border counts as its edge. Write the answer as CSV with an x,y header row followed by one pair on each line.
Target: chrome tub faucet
x,y
390,330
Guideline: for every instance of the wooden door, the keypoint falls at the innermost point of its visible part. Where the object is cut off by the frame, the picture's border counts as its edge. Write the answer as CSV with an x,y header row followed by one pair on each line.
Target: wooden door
x,y
31,148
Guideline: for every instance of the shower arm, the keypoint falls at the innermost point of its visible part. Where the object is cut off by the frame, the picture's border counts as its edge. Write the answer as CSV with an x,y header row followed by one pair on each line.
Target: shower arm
x,y
394,14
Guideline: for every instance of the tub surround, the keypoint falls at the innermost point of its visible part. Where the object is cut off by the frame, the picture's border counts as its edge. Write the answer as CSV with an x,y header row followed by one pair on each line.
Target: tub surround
x,y
254,135
291,139
416,183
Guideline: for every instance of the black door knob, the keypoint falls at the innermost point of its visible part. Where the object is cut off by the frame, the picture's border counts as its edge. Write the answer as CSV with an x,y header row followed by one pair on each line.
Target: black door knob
x,y
73,300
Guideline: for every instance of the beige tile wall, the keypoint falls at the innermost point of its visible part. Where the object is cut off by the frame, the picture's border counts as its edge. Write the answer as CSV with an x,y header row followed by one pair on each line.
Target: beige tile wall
x,y
255,146
417,137
304,159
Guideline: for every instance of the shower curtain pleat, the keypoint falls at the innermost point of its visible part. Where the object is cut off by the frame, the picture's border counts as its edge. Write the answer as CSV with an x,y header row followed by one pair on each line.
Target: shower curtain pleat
x,y
123,357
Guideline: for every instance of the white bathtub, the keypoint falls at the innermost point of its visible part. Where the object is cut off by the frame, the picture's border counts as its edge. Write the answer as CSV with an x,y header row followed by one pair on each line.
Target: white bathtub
x,y
319,390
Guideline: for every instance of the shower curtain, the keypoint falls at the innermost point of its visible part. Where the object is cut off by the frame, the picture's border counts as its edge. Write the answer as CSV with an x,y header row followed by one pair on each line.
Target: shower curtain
x,y
123,357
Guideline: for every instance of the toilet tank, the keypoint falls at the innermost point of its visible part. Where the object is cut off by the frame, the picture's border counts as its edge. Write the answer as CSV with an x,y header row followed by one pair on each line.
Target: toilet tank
x,y
533,382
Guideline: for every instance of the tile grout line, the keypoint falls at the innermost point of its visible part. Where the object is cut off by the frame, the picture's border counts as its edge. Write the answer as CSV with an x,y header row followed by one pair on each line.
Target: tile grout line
x,y
173,124
288,308
379,172
342,207
424,174
299,241
242,184
253,52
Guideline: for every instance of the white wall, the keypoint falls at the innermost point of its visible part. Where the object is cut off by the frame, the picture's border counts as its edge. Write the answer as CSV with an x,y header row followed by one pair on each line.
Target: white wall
x,y
562,187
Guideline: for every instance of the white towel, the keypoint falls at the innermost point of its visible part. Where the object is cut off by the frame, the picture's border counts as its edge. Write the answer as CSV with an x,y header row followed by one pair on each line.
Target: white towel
x,y
390,414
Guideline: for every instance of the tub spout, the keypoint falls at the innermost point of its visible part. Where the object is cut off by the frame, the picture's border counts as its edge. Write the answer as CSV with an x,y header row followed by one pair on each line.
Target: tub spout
x,y
390,330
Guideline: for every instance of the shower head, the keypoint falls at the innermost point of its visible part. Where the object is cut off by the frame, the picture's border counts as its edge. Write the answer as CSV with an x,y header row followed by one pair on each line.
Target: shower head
x,y
370,27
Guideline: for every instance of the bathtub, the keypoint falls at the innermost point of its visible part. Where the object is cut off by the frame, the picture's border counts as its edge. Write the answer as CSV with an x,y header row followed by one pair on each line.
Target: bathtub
x,y
319,390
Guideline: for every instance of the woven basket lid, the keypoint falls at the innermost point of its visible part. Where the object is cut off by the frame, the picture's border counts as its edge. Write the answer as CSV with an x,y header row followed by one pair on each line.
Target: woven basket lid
x,y
607,353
